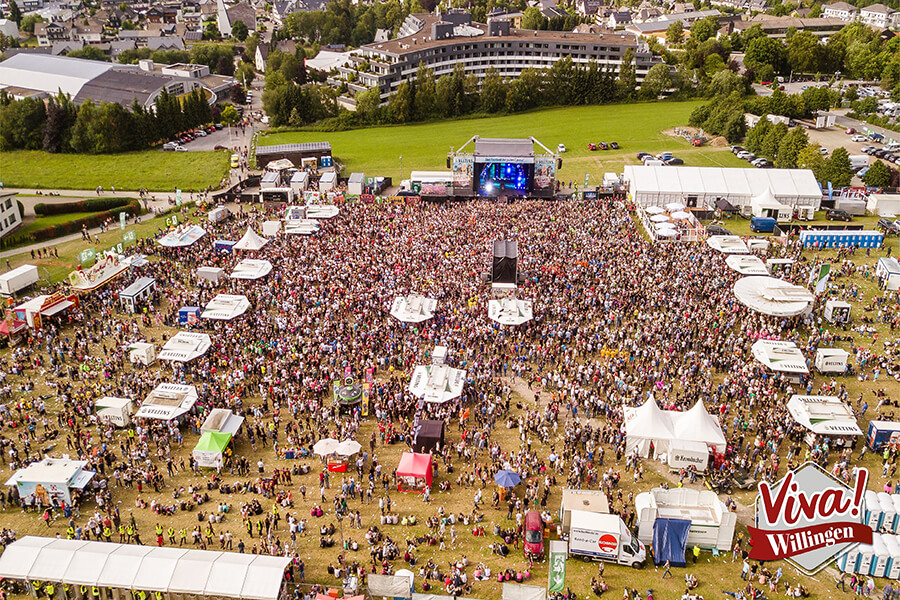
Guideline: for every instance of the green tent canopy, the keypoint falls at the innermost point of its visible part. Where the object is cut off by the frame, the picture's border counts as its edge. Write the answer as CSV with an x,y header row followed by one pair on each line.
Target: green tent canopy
x,y
213,441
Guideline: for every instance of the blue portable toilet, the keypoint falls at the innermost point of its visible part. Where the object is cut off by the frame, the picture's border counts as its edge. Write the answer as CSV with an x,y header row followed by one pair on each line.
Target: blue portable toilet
x,y
189,315
881,433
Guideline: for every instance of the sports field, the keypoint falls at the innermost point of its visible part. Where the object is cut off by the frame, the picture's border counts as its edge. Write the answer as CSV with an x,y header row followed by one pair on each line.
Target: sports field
x,y
423,147
151,169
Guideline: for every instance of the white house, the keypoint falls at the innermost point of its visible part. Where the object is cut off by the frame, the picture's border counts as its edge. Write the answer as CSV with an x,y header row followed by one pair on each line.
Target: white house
x,y
10,218
9,29
879,15
840,10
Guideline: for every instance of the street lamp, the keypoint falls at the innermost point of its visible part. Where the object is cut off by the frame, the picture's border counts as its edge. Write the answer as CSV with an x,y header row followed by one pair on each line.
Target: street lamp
x,y
401,167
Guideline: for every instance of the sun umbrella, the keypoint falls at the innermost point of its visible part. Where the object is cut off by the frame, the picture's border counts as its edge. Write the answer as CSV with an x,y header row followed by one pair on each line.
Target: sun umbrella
x,y
348,448
666,233
507,479
325,447
666,225
680,214
654,210
659,218
675,206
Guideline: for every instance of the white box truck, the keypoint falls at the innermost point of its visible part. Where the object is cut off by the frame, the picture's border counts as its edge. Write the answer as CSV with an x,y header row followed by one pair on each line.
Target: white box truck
x,y
18,279
859,161
598,536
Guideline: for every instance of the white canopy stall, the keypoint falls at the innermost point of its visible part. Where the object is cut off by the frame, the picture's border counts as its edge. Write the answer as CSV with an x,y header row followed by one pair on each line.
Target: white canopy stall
x,y
114,410
413,308
510,311
185,346
168,401
183,235
142,353
765,204
727,244
645,426
780,356
747,264
222,420
772,296
301,226
251,268
823,415
250,241
226,307
213,274
437,383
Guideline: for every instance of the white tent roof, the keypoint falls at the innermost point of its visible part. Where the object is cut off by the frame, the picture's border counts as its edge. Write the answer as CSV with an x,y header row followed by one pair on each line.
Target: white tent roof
x,y
225,307
60,471
826,415
648,421
772,296
413,308
781,356
766,199
185,346
510,311
727,244
112,402
123,566
251,268
723,182
168,401
182,236
223,420
698,425
746,264
251,241
437,383
301,226
321,211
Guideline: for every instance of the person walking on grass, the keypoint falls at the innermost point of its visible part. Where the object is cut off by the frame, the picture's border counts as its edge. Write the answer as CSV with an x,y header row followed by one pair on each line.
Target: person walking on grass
x,y
668,570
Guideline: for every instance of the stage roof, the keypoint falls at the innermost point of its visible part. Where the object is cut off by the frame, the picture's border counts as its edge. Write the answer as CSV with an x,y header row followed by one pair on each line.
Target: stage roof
x,y
503,147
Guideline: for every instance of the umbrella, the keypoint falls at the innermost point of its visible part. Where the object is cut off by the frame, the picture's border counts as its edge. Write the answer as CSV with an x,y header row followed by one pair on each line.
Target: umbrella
x,y
666,233
507,479
675,206
680,214
659,218
348,448
653,210
325,447
666,225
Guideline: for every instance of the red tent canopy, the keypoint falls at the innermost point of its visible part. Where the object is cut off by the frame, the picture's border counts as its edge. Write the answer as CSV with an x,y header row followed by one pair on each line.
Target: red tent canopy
x,y
17,326
414,472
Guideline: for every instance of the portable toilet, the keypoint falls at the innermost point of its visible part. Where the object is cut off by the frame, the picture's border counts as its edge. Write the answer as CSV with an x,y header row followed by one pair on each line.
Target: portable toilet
x,y
866,556
893,547
846,560
189,315
882,556
895,498
889,513
873,509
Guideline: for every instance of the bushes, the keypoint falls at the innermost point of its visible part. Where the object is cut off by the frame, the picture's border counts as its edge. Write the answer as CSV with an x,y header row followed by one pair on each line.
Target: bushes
x,y
89,205
132,207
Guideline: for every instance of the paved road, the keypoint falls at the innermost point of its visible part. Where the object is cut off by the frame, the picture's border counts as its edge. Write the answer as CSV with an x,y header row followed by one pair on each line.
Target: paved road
x,y
156,201
796,87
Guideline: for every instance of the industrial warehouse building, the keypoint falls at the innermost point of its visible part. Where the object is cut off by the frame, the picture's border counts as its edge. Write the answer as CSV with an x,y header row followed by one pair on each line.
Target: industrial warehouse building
x,y
701,187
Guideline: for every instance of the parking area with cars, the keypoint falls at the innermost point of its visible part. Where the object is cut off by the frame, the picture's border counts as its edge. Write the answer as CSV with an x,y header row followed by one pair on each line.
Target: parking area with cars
x,y
661,159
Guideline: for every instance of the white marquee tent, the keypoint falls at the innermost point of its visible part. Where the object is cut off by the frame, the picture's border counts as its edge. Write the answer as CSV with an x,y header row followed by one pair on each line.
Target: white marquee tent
x,y
413,308
168,401
727,244
784,357
127,567
649,424
251,268
825,415
510,311
437,383
182,236
250,241
747,264
225,307
185,346
772,296
223,421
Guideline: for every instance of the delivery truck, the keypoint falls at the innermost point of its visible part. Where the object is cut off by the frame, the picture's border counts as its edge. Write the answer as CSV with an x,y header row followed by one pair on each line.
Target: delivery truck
x,y
604,537
18,279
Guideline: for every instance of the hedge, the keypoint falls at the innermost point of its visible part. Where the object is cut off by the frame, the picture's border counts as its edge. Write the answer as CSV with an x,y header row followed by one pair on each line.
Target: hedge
x,y
88,205
132,208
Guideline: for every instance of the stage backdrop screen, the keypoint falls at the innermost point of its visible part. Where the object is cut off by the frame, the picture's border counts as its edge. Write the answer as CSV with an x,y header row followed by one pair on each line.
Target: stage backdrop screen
x,y
496,178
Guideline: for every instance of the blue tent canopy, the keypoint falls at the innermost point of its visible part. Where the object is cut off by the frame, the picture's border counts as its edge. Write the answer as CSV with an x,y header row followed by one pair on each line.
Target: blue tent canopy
x,y
670,541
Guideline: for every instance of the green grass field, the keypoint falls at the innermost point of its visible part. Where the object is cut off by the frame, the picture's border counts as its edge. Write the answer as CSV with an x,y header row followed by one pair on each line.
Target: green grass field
x,y
636,127
151,169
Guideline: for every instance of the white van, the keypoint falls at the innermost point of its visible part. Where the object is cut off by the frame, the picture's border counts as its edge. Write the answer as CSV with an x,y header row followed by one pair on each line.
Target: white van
x,y
604,537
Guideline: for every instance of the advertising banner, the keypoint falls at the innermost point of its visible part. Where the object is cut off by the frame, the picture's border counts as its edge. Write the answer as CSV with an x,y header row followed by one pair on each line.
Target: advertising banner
x,y
463,170
86,255
544,172
559,552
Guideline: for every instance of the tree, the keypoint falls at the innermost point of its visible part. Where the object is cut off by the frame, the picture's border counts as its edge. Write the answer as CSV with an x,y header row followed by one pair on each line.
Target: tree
x,y
704,29
627,81
533,19
15,13
805,53
229,115
675,33
765,51
757,135
773,139
239,30
211,32
810,158
878,175
493,92
61,115
837,168
657,80
90,53
790,148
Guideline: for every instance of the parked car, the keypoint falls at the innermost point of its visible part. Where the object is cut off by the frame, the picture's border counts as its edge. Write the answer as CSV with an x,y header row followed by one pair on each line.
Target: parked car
x,y
592,147
169,146
850,131
561,148
743,154
673,162
220,147
641,155
235,161
181,149
836,214
823,151
735,149
868,149
219,126
762,224
889,227
717,230
614,145
603,146
859,138
761,163
534,535
664,155
201,133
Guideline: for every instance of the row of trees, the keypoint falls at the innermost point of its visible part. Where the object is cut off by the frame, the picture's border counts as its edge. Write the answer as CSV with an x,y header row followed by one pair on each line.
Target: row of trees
x,y
287,100
61,126
343,22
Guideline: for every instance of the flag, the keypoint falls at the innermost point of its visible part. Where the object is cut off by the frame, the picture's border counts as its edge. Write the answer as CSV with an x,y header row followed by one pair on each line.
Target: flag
x,y
86,255
822,280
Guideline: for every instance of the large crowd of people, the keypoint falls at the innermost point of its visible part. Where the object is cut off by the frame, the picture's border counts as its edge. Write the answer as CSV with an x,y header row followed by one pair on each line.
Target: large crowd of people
x,y
617,320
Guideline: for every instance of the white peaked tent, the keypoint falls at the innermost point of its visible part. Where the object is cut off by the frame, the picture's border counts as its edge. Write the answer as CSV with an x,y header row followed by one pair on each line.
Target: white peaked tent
x,y
225,307
510,311
413,308
825,415
698,425
784,357
645,425
251,241
766,205
437,383
772,296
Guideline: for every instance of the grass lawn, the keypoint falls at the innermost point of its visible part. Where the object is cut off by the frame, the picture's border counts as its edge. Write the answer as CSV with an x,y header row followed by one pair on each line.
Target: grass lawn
x,y
151,169
636,127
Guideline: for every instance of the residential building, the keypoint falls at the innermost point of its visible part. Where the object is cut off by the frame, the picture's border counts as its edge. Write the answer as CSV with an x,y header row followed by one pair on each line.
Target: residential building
x,y
777,27
227,16
587,7
879,15
9,29
10,216
659,27
89,34
441,41
619,19
840,10
47,33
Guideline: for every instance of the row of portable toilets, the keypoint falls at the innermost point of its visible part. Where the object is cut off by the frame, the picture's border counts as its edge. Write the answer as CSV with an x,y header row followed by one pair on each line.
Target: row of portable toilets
x,y
882,557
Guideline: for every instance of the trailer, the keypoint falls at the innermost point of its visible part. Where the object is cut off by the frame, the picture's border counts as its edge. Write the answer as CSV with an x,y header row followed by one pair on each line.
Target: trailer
x,y
18,279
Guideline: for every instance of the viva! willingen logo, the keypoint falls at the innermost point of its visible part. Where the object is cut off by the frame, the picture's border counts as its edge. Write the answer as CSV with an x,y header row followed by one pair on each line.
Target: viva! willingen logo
x,y
808,517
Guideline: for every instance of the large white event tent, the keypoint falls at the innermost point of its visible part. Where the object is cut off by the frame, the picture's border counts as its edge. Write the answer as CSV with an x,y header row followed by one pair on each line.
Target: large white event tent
x,y
413,308
727,244
184,235
168,401
225,307
250,241
251,268
747,264
437,383
772,296
702,186
128,567
825,415
781,356
649,425
301,226
185,346
510,311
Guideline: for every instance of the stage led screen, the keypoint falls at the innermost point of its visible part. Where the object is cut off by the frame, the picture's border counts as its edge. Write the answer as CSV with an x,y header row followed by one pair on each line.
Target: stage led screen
x,y
497,178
